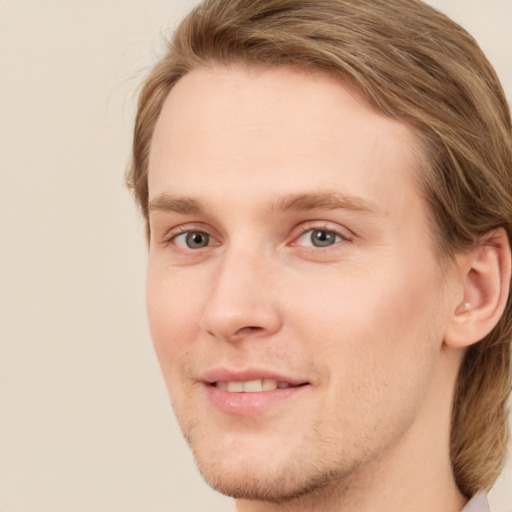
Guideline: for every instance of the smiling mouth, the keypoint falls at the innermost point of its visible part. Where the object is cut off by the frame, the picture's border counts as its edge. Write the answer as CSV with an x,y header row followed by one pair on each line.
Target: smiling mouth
x,y
254,386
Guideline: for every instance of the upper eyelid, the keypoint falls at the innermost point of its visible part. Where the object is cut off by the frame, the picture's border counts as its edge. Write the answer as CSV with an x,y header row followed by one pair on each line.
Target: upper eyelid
x,y
342,240
323,228
186,228
313,225
295,232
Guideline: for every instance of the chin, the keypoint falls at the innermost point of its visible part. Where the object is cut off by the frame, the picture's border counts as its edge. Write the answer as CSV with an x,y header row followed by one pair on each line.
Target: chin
x,y
258,476
252,485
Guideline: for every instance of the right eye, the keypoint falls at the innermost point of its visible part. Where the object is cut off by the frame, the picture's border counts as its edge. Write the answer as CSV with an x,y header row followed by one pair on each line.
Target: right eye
x,y
192,240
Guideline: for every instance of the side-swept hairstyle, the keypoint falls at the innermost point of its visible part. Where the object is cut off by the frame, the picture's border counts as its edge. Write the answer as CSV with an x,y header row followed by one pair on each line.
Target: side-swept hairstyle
x,y
414,64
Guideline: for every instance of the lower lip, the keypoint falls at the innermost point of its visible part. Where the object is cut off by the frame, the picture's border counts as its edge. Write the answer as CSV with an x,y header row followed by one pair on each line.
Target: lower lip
x,y
250,403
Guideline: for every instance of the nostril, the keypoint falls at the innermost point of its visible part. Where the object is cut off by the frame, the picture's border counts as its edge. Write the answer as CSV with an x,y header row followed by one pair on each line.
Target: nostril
x,y
249,330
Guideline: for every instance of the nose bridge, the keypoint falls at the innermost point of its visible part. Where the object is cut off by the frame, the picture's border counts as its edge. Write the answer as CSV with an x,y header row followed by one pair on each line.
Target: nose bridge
x,y
242,298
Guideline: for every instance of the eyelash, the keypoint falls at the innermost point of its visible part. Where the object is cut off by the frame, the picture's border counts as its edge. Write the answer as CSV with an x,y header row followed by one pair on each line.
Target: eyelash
x,y
322,228
171,237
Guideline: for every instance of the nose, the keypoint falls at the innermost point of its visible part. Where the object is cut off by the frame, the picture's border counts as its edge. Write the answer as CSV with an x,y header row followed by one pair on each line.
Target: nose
x,y
242,302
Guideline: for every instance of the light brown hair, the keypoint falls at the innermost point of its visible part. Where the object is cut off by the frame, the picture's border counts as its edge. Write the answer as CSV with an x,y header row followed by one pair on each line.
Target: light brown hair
x,y
414,64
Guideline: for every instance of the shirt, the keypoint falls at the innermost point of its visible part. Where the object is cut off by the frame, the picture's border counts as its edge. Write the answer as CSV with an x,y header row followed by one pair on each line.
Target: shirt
x,y
478,503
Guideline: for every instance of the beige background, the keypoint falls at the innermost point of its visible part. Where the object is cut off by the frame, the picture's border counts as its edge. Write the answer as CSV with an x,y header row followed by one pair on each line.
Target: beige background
x,y
85,423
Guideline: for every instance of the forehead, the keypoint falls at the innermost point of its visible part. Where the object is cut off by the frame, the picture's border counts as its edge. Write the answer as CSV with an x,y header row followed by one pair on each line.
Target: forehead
x,y
276,130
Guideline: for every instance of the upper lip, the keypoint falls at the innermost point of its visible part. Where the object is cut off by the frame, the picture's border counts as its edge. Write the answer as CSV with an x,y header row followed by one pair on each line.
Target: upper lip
x,y
227,375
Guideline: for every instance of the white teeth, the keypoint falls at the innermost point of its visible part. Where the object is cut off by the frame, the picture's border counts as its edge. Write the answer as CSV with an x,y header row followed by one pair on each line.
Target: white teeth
x,y
269,384
235,387
252,386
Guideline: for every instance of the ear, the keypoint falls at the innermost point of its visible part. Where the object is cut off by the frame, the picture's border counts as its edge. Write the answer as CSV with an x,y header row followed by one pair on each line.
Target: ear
x,y
485,287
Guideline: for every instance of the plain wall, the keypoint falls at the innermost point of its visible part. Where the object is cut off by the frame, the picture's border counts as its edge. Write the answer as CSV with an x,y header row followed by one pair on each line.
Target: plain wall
x,y
85,422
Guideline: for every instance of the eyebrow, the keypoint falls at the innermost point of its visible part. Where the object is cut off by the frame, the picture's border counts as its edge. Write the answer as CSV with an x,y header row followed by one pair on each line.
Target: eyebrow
x,y
167,203
328,200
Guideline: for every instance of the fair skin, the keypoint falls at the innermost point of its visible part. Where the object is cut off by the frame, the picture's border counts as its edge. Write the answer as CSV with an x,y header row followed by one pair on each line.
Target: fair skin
x,y
290,246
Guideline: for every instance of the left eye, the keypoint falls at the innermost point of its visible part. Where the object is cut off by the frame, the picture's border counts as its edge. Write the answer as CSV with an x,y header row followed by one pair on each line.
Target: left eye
x,y
319,238
192,240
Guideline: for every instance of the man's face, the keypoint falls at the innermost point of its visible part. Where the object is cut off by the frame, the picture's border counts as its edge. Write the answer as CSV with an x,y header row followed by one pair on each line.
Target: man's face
x,y
291,251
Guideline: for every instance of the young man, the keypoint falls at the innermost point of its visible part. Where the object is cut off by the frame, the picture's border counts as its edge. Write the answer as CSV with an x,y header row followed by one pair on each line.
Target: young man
x,y
327,188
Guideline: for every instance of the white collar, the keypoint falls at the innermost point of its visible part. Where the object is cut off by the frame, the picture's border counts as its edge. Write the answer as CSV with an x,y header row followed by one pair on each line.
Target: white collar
x,y
478,503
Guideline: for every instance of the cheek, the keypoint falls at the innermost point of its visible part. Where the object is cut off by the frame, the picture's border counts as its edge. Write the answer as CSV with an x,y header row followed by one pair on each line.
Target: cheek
x,y
377,352
172,320
372,327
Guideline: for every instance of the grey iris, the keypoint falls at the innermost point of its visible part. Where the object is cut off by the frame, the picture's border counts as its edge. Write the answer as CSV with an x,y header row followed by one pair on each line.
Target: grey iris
x,y
196,240
322,238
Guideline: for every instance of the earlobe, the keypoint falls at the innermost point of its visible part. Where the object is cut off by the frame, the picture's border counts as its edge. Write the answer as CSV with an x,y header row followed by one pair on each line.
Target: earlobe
x,y
485,289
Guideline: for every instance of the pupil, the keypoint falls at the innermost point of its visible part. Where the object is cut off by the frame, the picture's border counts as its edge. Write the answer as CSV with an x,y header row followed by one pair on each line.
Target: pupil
x,y
196,240
321,238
